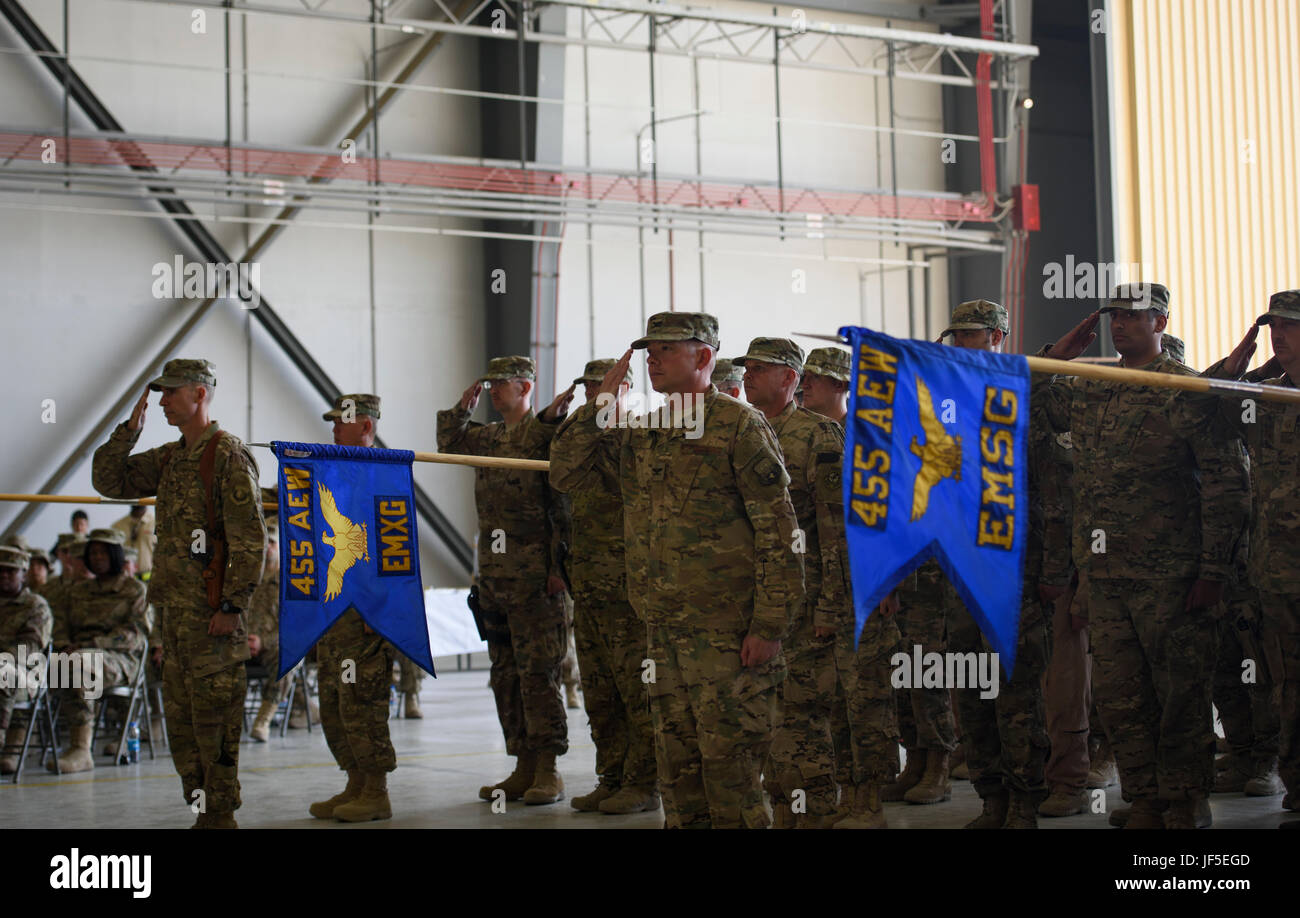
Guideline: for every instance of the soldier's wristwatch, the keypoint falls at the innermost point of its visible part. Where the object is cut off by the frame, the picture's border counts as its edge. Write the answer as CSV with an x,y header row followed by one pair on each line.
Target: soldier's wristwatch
x,y
227,608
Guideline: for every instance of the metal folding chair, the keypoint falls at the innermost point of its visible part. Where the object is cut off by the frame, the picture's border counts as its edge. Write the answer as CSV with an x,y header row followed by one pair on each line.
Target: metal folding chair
x,y
35,708
297,681
137,694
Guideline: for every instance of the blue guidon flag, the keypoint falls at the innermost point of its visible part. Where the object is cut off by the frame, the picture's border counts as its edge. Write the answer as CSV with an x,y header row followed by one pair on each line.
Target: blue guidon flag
x,y
348,540
936,466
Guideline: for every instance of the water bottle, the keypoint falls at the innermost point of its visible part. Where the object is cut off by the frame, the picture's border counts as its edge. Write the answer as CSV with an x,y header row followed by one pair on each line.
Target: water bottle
x,y
133,742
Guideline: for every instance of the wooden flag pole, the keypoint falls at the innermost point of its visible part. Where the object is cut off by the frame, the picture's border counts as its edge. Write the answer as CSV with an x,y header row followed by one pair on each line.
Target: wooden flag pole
x,y
1141,377
482,462
91,499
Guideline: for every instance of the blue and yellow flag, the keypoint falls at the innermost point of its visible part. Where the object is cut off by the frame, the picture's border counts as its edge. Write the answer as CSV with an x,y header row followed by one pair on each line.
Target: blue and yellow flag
x,y
936,466
348,540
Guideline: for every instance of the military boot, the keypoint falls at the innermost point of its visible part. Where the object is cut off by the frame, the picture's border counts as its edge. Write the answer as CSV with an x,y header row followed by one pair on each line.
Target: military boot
x,y
1022,814
590,803
782,816
994,814
631,800
1193,813
571,700
77,756
1064,801
1234,772
892,793
1102,771
262,725
867,812
960,770
413,711
1264,780
1119,816
519,781
1146,813
13,748
934,786
224,820
547,786
325,808
372,803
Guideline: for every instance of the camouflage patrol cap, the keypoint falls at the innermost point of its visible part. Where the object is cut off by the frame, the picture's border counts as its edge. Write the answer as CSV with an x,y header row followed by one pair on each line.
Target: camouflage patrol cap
x,y
973,315
1174,347
1285,304
68,539
829,361
182,372
14,557
18,542
726,372
780,351
1139,296
680,326
595,371
362,403
510,368
40,554
107,536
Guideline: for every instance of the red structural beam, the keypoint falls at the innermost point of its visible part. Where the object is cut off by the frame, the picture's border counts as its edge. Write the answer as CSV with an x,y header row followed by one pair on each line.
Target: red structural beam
x,y
169,158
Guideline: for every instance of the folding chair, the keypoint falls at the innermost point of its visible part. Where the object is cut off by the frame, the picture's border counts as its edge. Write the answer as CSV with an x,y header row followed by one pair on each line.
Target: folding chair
x,y
36,707
136,694
297,679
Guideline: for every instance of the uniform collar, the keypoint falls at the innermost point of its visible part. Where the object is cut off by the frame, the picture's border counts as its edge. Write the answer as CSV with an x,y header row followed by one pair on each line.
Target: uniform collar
x,y
778,423
212,430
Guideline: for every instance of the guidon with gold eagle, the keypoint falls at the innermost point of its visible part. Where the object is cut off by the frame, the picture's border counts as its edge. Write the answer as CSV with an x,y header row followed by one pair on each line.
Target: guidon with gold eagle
x,y
940,456
348,541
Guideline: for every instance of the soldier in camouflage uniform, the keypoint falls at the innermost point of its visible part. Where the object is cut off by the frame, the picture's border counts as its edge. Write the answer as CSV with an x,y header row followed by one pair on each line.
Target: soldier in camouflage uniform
x,y
38,571
26,623
1005,737
354,712
1162,497
803,756
56,589
1271,428
263,621
710,529
864,720
106,619
728,377
204,649
611,639
521,591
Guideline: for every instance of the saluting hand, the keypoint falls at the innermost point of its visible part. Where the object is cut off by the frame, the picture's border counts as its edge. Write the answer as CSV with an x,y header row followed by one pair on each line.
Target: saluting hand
x,y
1076,340
1235,364
469,399
137,415
560,407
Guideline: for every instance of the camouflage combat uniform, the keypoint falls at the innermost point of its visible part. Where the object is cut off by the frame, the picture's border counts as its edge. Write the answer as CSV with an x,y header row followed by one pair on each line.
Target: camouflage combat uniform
x,y
709,529
803,754
354,711
611,640
108,614
1273,435
203,675
1167,489
526,628
25,621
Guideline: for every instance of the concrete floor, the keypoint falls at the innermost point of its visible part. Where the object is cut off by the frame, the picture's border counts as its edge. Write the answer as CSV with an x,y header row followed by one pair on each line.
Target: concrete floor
x,y
442,761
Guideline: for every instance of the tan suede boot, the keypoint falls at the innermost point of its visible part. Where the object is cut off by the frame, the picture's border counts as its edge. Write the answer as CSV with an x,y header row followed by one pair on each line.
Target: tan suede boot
x,y
548,786
590,803
77,756
1146,813
892,793
1022,814
325,808
519,781
934,786
868,811
1188,814
412,702
262,725
631,800
994,814
373,802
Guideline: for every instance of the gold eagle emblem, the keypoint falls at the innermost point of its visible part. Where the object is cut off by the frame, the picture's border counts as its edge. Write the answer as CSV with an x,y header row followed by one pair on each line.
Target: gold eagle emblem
x,y
940,456
348,542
